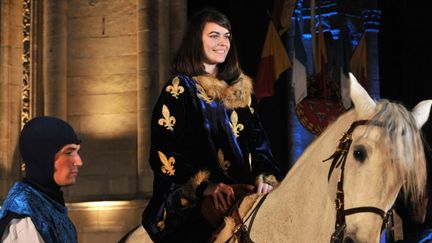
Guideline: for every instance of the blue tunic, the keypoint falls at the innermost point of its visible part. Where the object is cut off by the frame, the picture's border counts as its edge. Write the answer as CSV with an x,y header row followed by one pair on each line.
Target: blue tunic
x,y
49,217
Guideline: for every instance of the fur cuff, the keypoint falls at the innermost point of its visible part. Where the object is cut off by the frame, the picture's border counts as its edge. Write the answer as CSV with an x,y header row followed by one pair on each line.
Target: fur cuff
x,y
189,190
200,177
269,179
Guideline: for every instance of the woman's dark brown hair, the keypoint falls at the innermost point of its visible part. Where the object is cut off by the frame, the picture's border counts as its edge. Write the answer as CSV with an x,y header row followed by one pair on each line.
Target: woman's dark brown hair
x,y
190,57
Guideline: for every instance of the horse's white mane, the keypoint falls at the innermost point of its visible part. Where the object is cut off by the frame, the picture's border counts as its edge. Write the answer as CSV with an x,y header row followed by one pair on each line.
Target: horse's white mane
x,y
401,134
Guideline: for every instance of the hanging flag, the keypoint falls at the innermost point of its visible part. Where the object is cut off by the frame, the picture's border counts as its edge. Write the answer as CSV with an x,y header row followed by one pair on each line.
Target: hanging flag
x,y
282,12
313,33
320,61
299,75
358,62
321,56
344,65
274,60
277,14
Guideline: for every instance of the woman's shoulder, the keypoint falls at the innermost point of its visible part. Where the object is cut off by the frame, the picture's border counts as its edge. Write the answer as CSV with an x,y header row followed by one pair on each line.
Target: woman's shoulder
x,y
179,81
177,86
180,77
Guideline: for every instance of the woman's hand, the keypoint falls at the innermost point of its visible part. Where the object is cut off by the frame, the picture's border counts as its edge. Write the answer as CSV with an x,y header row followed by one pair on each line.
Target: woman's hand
x,y
262,187
222,195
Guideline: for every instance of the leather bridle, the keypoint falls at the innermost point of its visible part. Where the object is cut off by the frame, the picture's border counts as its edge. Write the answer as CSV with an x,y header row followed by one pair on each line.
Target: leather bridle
x,y
339,159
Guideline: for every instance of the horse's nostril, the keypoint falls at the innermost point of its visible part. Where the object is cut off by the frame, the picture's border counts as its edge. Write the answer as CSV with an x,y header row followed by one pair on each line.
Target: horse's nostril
x,y
348,240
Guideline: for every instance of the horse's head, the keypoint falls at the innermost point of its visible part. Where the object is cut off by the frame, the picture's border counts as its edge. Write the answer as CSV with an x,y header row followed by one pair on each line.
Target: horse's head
x,y
385,154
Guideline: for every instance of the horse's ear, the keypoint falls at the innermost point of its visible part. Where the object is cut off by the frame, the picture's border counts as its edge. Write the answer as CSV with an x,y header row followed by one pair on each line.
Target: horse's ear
x,y
363,103
421,112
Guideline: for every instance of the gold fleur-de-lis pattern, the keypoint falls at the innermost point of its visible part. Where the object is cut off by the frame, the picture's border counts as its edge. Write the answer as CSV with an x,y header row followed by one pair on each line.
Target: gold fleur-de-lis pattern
x,y
235,125
175,89
161,224
168,164
225,164
184,202
252,110
203,95
167,121
250,161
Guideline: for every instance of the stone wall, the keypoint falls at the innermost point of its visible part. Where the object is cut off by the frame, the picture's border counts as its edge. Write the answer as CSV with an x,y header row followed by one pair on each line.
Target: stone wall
x,y
100,65
105,221
102,96
11,69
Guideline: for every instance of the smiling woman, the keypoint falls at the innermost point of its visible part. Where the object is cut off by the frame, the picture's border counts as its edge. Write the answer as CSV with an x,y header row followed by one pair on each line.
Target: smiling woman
x,y
205,135
216,44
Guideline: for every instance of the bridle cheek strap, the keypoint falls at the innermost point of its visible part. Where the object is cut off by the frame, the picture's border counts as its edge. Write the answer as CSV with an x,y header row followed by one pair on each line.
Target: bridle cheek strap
x,y
339,159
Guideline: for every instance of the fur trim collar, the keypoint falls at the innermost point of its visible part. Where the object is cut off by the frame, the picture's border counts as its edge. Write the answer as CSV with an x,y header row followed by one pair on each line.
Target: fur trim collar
x,y
233,96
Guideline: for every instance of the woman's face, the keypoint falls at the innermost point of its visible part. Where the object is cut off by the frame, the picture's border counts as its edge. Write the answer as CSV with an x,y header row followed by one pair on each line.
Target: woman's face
x,y
216,43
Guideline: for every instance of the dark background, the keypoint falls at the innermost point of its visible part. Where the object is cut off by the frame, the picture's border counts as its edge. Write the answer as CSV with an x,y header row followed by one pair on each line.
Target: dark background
x,y
405,59
403,47
405,51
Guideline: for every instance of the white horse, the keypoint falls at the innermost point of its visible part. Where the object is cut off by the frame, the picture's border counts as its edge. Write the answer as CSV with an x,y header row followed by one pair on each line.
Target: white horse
x,y
380,152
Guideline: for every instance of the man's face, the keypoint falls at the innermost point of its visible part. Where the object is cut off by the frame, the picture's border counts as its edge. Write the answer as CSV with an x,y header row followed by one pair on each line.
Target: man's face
x,y
66,165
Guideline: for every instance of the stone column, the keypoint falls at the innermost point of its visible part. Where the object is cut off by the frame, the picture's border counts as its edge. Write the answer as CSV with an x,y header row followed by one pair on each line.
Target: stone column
x,y
54,71
159,22
163,30
177,22
11,76
148,79
371,20
4,101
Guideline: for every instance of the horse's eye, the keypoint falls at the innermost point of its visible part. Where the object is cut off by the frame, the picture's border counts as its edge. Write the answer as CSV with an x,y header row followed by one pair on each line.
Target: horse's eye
x,y
360,153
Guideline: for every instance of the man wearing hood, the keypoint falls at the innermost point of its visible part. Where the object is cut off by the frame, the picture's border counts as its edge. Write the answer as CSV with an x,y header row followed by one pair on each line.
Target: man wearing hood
x,y
34,209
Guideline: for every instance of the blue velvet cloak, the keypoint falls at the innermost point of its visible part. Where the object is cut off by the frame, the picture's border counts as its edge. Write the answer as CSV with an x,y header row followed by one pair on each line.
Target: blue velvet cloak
x,y
197,126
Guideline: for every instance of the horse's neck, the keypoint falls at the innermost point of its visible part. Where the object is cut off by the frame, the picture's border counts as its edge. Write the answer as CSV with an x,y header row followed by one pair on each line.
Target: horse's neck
x,y
301,208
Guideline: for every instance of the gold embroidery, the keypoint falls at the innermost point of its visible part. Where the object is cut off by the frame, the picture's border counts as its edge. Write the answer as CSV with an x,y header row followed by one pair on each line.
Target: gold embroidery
x,y
167,120
225,164
252,110
161,224
184,202
175,89
235,126
168,164
203,95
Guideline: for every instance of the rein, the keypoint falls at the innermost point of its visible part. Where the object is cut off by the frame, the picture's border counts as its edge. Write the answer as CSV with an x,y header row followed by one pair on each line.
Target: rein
x,y
242,226
339,158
